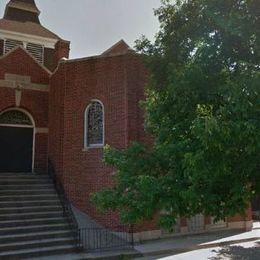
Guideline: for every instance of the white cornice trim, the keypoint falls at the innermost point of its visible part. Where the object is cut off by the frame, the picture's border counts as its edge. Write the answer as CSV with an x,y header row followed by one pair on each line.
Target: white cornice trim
x,y
46,42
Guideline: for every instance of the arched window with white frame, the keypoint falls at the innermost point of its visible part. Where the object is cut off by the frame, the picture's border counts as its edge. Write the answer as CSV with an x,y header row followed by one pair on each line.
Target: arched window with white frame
x,y
94,125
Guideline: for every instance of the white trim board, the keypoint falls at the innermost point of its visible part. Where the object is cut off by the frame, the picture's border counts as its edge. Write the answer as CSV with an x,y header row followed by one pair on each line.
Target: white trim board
x,y
29,86
46,42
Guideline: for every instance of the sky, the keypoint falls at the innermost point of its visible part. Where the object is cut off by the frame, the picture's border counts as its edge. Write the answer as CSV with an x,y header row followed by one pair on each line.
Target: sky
x,y
92,26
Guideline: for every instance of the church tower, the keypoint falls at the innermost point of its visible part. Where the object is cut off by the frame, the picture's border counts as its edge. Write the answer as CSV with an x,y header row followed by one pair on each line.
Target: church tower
x,y
23,11
21,26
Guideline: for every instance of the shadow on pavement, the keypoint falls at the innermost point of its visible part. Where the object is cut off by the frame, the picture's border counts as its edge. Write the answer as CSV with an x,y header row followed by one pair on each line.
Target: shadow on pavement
x,y
237,253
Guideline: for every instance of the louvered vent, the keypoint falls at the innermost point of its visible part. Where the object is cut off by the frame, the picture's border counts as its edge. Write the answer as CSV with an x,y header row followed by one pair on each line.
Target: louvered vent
x,y
11,44
36,50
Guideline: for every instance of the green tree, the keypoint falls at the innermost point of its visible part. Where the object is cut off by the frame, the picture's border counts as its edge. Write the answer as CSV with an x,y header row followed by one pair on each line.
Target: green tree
x,y
203,109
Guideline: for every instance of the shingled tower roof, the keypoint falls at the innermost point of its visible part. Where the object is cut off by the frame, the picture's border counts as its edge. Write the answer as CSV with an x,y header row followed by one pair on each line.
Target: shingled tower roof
x,y
22,16
22,11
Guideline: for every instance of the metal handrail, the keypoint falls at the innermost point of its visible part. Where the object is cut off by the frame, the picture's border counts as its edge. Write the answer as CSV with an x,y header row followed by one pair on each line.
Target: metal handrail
x,y
66,206
86,236
102,238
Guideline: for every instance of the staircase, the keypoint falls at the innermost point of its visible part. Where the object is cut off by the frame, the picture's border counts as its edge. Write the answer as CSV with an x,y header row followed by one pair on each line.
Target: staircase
x,y
32,222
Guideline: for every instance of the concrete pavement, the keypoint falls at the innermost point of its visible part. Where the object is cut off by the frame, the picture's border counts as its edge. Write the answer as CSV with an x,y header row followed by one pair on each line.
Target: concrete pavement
x,y
240,246
219,245
240,251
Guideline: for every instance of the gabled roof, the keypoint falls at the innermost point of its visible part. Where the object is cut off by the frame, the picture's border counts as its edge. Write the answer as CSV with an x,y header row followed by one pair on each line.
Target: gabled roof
x,y
22,16
22,51
120,47
27,28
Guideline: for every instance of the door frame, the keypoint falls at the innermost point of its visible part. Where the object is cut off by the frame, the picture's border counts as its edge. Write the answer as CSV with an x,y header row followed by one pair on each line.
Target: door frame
x,y
23,126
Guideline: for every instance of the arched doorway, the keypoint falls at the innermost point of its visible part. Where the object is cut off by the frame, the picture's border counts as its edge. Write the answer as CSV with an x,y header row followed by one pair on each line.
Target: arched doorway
x,y
16,141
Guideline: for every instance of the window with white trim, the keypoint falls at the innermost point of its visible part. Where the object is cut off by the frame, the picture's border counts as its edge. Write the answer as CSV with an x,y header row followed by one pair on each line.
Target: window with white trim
x,y
94,124
36,50
15,117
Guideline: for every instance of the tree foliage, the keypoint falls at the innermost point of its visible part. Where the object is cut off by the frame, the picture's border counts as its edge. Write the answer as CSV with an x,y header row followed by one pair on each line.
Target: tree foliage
x,y
203,109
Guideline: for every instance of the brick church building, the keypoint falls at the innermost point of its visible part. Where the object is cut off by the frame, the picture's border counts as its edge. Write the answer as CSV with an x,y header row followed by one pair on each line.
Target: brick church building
x,y
59,112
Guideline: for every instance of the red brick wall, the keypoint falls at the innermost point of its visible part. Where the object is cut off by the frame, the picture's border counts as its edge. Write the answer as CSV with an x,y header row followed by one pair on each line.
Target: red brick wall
x,y
118,82
20,63
137,77
33,101
62,50
41,156
7,97
56,119
107,79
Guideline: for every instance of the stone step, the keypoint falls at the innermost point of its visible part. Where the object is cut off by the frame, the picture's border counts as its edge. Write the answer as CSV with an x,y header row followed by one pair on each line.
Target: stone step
x,y
38,252
23,174
14,204
27,192
37,221
32,221
38,244
30,215
26,187
17,176
31,209
24,181
31,229
23,177
22,197
5,239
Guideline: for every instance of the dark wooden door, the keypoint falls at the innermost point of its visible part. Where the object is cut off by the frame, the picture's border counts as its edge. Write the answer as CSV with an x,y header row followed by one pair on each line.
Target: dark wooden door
x,y
16,145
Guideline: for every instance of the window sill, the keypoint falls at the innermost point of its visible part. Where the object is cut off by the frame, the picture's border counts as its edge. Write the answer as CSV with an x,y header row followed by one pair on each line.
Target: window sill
x,y
86,149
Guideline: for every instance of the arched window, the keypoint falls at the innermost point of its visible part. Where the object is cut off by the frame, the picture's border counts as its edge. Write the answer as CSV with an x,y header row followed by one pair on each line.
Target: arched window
x,y
94,124
15,117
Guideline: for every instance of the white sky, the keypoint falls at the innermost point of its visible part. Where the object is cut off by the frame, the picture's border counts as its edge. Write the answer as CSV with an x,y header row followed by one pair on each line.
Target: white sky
x,y
93,26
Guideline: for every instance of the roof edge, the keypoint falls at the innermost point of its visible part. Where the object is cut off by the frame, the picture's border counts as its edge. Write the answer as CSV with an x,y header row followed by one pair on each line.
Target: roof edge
x,y
106,52
95,57
15,5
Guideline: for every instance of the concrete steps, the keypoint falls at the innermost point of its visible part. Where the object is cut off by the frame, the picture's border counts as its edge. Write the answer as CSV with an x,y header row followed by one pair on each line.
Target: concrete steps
x,y
5,239
24,181
4,191
29,215
38,252
29,203
31,229
32,197
34,209
18,187
32,222
37,243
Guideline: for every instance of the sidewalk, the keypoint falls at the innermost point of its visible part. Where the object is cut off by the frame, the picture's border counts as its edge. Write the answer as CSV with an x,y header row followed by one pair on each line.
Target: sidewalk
x,y
240,251
213,246
196,247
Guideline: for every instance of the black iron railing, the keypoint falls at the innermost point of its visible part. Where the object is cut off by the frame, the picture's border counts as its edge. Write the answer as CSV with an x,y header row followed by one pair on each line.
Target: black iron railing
x,y
93,238
120,237
66,206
